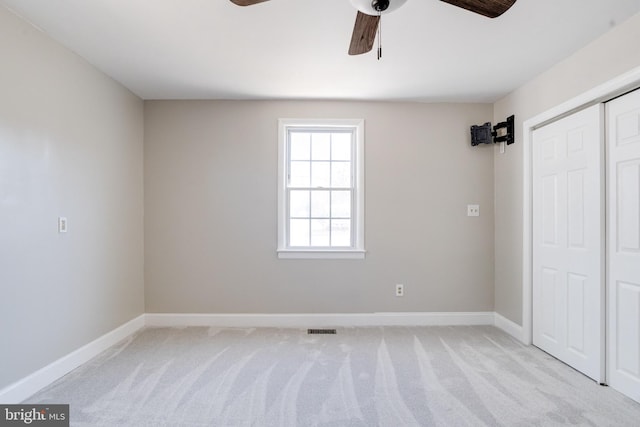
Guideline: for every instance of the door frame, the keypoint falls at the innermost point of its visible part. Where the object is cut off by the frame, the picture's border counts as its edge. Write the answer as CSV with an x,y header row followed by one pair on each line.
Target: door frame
x,y
602,93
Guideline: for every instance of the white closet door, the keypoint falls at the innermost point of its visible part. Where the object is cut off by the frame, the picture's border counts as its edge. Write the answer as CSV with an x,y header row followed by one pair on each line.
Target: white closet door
x,y
623,243
568,236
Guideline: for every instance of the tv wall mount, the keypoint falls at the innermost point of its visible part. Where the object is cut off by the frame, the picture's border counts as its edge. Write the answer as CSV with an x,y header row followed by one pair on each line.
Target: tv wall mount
x,y
486,134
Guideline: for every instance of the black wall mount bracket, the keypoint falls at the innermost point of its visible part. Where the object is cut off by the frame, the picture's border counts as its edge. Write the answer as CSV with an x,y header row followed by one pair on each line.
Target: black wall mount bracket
x,y
486,134
504,136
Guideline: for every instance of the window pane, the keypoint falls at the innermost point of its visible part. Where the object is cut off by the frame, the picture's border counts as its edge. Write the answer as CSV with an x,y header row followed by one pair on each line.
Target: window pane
x,y
299,232
320,232
321,174
341,232
320,207
321,146
341,174
341,204
300,174
341,146
299,204
300,146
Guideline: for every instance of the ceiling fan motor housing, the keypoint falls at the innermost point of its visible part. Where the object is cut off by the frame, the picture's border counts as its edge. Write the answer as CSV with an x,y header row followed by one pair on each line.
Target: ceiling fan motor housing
x,y
380,5
377,7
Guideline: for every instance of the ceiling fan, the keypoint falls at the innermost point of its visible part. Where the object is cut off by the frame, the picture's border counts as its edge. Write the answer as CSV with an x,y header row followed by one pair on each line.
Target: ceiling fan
x,y
370,11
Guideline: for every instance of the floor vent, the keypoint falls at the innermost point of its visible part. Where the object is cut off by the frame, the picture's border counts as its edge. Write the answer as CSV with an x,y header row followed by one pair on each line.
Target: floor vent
x,y
321,331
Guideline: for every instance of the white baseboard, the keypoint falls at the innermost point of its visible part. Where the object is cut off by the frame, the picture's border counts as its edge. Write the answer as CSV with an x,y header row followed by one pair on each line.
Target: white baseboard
x,y
22,389
299,320
509,327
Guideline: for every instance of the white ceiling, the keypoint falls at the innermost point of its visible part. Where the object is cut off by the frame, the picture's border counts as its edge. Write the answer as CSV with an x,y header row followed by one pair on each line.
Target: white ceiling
x,y
297,49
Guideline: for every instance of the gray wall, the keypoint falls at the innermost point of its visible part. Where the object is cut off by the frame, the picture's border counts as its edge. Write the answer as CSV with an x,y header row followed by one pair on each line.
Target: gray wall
x,y
70,145
609,56
210,211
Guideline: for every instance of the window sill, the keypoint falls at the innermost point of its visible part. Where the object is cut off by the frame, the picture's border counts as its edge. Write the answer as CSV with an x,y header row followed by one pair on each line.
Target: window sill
x,y
321,254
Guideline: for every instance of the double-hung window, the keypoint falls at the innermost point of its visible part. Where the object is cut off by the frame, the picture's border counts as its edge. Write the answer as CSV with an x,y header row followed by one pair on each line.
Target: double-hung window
x,y
321,189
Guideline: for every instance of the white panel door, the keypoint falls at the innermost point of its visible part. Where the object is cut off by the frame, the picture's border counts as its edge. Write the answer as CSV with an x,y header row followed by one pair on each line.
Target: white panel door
x,y
623,243
568,236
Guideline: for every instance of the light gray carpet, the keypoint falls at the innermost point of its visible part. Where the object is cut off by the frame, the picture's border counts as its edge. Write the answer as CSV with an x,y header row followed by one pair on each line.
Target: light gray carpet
x,y
391,376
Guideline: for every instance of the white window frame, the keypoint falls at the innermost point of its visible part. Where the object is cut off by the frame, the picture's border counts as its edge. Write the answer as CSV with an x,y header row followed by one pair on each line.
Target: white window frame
x,y
356,251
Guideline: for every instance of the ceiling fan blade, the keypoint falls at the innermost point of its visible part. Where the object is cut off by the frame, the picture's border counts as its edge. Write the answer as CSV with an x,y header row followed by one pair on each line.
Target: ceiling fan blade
x,y
489,8
246,2
364,33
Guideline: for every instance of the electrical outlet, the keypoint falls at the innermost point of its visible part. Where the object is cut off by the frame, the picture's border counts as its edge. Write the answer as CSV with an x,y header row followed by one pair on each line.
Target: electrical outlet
x,y
399,290
473,210
62,224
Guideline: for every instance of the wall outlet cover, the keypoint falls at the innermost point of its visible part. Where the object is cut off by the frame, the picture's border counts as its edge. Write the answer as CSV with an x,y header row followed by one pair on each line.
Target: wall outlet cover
x,y
62,224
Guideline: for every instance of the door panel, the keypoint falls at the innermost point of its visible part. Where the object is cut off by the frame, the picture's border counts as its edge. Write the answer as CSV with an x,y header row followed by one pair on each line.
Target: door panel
x,y
627,308
568,253
548,304
623,238
575,320
627,206
576,209
549,201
